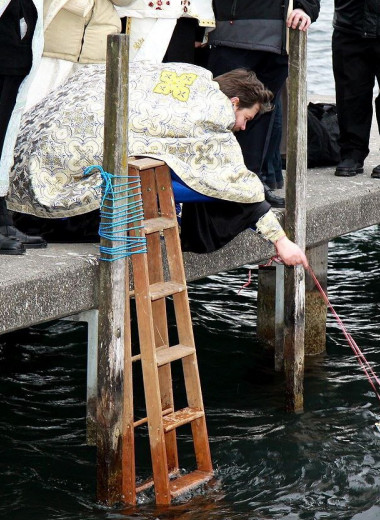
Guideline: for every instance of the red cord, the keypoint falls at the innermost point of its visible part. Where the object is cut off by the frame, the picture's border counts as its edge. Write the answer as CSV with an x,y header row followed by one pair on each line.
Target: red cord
x,y
268,264
371,376
246,283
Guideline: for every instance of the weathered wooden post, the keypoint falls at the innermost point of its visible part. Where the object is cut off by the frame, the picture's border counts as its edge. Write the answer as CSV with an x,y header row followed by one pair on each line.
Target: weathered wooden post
x,y
316,308
113,284
295,221
270,310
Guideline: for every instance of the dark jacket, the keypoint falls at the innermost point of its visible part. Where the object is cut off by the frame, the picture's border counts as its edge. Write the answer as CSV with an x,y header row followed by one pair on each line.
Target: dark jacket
x,y
256,24
358,17
16,52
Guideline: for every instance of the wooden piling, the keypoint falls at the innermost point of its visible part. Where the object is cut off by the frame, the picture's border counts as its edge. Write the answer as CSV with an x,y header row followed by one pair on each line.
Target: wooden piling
x,y
295,221
113,284
270,310
316,309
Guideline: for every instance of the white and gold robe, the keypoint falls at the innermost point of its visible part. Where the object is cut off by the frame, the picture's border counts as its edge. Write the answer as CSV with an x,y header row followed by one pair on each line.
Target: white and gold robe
x,y
176,114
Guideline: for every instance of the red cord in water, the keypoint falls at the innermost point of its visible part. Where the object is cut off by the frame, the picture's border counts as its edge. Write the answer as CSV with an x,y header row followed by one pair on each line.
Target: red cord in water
x,y
371,376
246,283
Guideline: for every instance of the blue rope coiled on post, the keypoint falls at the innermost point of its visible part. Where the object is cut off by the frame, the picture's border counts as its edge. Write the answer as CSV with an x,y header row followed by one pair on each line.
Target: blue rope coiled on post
x,y
119,212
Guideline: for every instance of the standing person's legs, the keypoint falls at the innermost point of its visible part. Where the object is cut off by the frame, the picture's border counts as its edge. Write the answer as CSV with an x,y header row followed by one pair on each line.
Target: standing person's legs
x,y
354,75
225,59
8,93
271,69
182,44
12,241
272,171
9,86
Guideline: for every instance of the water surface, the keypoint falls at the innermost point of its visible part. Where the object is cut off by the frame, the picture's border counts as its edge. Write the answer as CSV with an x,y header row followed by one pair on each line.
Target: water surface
x,y
321,464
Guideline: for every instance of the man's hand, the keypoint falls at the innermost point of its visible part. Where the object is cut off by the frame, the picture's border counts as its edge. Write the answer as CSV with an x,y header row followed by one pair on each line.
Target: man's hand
x,y
298,16
290,253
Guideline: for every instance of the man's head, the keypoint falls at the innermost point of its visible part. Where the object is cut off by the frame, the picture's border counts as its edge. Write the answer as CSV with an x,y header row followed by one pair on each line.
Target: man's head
x,y
248,95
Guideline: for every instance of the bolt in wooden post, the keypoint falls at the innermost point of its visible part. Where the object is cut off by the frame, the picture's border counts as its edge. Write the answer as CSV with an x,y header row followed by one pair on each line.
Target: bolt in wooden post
x,y
113,283
295,221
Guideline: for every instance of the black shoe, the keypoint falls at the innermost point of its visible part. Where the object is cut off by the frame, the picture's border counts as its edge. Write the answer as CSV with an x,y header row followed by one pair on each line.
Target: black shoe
x,y
376,172
11,246
27,241
349,168
274,200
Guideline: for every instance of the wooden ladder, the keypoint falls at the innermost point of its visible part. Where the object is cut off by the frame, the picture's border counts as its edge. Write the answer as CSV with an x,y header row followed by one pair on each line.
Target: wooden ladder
x,y
150,292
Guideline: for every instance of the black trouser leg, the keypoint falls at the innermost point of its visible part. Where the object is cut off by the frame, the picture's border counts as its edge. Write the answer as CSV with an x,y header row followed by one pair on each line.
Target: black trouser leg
x,y
377,105
377,100
9,86
182,44
8,93
12,241
5,216
272,70
355,66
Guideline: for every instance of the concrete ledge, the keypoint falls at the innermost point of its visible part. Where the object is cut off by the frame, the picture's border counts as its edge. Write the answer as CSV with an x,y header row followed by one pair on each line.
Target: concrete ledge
x,y
47,284
63,279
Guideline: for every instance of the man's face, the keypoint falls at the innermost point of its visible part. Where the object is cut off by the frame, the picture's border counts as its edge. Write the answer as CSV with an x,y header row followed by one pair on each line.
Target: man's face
x,y
242,115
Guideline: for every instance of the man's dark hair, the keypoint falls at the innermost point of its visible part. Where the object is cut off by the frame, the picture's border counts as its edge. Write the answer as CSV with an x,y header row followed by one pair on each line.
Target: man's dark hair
x,y
243,83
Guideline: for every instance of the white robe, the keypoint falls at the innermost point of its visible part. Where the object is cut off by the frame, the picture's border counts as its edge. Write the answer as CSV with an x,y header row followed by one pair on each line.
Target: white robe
x,y
52,72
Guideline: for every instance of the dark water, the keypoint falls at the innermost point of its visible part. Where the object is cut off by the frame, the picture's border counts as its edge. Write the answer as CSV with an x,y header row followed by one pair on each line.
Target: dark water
x,y
321,464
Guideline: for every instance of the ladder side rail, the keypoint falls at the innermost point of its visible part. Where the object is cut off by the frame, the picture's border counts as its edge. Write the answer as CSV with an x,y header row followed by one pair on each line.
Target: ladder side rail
x,y
184,322
175,259
150,371
128,448
156,274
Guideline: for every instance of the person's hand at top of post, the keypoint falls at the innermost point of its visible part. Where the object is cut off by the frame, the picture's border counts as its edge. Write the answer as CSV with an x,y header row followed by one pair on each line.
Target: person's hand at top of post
x,y
290,253
298,18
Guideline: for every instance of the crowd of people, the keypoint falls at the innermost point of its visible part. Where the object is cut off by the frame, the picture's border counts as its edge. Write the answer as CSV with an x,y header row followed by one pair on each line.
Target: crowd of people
x,y
49,47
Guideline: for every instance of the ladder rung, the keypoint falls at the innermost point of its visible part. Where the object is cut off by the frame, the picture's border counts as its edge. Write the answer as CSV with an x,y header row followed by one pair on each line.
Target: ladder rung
x,y
181,417
137,357
150,482
162,289
191,480
167,355
144,163
158,224
144,420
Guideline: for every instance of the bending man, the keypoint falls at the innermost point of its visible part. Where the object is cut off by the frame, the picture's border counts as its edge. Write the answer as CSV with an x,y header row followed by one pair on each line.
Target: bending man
x,y
177,114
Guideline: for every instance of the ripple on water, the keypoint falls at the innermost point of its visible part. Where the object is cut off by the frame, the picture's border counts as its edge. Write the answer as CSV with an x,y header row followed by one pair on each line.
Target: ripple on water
x,y
321,464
